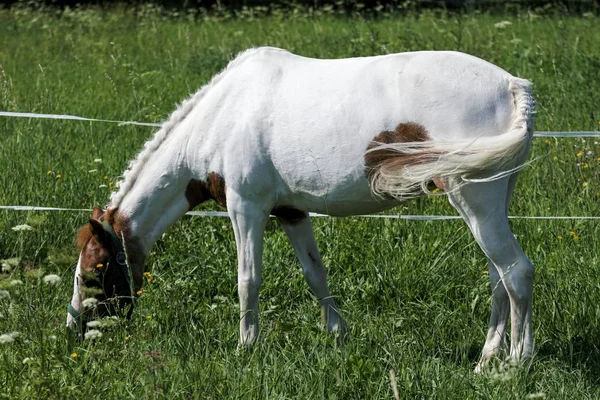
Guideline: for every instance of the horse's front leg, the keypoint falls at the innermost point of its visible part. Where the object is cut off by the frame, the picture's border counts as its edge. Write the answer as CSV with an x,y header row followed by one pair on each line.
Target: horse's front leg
x,y
249,220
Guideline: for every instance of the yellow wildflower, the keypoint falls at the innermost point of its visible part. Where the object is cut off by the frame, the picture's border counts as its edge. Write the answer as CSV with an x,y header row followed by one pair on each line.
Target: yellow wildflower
x,y
548,142
580,153
105,177
148,276
139,292
574,235
58,176
74,355
585,165
555,158
99,265
49,172
585,184
559,237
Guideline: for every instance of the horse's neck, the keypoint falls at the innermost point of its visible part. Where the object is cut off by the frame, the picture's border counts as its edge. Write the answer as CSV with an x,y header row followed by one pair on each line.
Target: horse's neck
x,y
157,198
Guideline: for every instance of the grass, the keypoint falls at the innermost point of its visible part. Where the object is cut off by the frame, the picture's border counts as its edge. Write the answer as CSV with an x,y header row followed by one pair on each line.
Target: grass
x,y
415,294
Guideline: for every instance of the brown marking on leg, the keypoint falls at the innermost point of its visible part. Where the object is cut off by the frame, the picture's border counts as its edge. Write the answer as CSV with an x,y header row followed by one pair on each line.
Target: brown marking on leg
x,y
198,191
289,215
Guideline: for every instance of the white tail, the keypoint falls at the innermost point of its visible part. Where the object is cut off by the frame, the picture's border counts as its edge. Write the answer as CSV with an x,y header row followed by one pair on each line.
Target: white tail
x,y
466,160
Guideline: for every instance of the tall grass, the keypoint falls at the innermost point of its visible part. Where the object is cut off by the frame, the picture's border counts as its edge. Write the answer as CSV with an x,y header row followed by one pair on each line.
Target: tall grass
x,y
415,294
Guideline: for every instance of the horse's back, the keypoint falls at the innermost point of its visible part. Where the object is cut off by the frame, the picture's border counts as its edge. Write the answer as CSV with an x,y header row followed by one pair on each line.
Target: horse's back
x,y
305,123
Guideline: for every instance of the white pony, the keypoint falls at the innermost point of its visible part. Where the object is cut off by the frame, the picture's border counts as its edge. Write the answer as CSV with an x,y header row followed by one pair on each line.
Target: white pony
x,y
280,134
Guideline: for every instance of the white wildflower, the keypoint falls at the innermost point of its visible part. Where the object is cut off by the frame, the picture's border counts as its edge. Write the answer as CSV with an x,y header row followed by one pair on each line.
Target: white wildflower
x,y
89,302
51,279
94,324
9,337
27,360
9,264
589,153
93,334
539,395
4,294
16,282
97,160
23,227
502,24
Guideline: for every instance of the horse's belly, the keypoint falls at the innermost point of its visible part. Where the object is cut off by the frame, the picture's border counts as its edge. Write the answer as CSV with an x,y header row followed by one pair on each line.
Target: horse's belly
x,y
340,199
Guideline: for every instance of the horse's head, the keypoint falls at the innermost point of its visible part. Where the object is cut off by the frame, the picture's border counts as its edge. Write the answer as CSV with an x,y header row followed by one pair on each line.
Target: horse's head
x,y
109,270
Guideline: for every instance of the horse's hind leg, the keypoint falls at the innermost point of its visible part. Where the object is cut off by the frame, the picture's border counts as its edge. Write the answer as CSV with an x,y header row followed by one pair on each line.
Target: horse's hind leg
x,y
484,208
300,233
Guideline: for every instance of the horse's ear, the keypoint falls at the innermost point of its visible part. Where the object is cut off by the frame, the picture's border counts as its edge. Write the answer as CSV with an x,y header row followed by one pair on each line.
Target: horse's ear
x,y
97,212
99,232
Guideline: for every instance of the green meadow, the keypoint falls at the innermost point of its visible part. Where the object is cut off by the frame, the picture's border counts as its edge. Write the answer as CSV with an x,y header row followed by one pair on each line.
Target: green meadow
x,y
415,294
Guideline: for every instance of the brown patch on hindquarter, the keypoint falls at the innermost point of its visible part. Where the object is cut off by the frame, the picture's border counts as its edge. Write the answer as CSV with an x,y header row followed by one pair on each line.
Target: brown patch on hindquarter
x,y
199,191
405,132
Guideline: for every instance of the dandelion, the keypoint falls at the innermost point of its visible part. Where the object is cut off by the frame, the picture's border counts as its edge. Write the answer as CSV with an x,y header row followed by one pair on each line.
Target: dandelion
x,y
93,334
139,292
51,279
105,177
4,294
23,227
585,184
99,265
502,24
580,153
585,165
16,282
74,355
555,158
9,337
49,172
58,176
90,302
574,235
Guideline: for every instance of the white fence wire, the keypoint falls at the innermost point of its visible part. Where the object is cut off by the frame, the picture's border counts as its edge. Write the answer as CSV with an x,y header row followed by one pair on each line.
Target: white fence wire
x,y
576,134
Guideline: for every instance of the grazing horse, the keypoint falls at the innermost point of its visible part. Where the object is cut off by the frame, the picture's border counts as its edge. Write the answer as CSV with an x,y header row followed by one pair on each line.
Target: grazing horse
x,y
284,135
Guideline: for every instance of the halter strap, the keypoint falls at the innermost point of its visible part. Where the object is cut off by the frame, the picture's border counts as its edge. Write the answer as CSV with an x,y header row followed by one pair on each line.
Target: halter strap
x,y
120,257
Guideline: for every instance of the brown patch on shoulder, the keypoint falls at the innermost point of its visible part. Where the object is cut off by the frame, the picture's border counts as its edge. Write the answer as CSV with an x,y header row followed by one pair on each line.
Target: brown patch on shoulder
x,y
404,133
289,215
199,191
